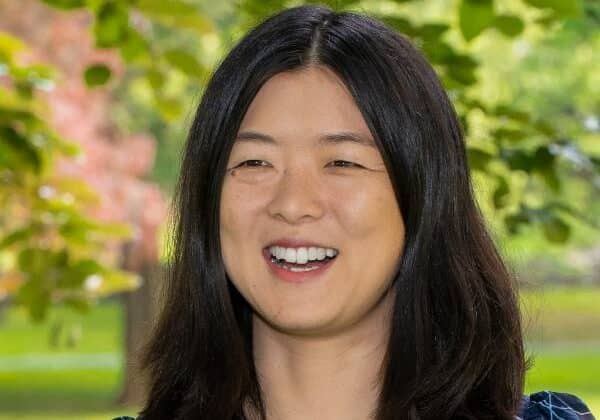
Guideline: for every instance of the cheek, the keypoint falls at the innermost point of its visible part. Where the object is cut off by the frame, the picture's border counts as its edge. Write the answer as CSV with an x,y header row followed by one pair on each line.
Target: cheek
x,y
231,222
369,210
239,211
235,209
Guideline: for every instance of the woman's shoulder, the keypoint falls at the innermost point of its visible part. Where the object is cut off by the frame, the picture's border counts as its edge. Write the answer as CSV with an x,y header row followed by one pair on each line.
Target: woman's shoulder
x,y
553,405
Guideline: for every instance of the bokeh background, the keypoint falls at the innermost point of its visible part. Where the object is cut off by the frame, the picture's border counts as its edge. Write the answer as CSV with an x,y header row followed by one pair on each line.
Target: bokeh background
x,y
95,100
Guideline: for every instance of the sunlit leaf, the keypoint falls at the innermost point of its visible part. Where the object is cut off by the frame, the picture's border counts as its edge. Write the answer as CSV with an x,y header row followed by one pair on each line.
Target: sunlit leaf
x,y
156,78
556,230
510,134
562,8
509,25
111,25
514,222
474,16
79,303
9,46
478,159
19,235
135,47
170,108
117,281
511,112
74,276
177,13
402,25
184,61
501,193
432,30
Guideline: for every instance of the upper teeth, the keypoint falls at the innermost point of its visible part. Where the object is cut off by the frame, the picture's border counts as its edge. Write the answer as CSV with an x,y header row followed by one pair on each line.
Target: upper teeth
x,y
301,255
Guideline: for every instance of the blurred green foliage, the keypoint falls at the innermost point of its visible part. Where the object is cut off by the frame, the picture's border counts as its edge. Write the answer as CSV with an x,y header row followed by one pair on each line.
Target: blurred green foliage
x,y
47,244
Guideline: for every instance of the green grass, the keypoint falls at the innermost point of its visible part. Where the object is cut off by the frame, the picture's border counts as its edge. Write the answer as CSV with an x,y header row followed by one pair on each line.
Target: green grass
x,y
100,330
559,314
41,382
58,391
571,368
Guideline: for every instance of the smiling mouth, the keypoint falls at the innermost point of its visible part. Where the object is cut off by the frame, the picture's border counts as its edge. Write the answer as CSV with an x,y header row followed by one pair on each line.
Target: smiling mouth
x,y
311,265
296,268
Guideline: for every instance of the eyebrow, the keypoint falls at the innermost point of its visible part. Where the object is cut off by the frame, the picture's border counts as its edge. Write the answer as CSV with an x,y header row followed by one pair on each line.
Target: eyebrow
x,y
328,138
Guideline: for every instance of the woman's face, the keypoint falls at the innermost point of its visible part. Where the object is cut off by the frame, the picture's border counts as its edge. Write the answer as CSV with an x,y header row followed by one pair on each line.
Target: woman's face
x,y
294,188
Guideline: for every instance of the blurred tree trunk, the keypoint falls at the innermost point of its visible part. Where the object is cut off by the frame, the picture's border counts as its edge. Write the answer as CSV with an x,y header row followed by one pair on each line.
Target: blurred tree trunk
x,y
139,314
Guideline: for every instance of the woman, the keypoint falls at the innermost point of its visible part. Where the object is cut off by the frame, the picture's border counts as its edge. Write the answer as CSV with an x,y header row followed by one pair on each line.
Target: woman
x,y
329,259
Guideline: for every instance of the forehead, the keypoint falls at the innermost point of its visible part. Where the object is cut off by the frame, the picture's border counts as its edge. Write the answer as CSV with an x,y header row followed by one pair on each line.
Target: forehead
x,y
304,104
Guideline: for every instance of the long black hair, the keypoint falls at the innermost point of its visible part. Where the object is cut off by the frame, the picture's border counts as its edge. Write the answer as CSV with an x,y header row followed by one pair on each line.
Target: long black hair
x,y
456,346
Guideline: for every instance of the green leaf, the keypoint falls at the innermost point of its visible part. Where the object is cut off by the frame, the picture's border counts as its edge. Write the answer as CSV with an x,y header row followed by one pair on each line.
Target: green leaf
x,y
501,193
97,75
461,68
177,13
65,147
9,46
543,158
562,8
111,26
509,25
12,113
170,108
438,52
478,159
65,4
74,275
78,303
36,299
463,76
404,26
545,128
20,149
185,62
510,112
513,222
474,16
135,47
431,31
556,230
545,165
166,8
116,281
25,89
510,134
517,160
156,78
18,235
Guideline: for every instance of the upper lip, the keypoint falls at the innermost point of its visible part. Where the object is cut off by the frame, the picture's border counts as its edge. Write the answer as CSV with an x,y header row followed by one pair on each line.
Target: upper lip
x,y
289,242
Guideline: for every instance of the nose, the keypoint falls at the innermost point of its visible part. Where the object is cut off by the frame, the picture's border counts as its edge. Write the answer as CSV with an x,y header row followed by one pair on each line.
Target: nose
x,y
298,196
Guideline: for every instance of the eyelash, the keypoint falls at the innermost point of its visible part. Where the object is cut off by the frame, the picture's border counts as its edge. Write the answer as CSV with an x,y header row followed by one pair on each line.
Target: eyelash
x,y
352,164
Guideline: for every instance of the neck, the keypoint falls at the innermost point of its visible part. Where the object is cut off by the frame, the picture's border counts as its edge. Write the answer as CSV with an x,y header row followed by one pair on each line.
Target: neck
x,y
334,376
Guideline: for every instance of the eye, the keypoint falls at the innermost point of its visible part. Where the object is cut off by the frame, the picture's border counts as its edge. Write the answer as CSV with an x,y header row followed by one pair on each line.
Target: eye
x,y
253,163
345,164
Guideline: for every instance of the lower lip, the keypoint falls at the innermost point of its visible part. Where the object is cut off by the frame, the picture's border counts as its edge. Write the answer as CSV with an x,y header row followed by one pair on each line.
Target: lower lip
x,y
296,277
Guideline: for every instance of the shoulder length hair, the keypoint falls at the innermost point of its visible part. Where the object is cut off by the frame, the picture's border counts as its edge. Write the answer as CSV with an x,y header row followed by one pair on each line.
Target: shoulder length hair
x,y
456,346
